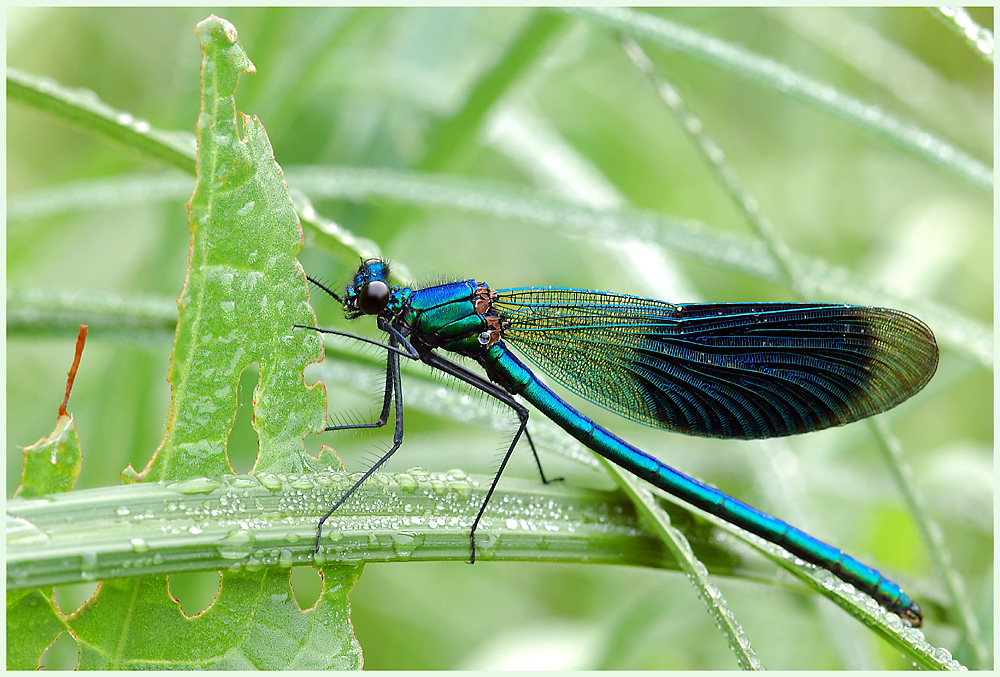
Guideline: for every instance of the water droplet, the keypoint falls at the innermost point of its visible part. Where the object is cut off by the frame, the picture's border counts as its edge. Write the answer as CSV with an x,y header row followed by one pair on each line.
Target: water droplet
x,y
236,545
302,483
197,485
403,543
122,511
88,565
406,482
462,487
270,482
402,538
485,541
139,545
942,655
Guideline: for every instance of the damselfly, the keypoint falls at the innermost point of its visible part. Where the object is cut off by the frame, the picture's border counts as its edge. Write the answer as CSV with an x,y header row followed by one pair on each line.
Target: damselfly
x,y
730,370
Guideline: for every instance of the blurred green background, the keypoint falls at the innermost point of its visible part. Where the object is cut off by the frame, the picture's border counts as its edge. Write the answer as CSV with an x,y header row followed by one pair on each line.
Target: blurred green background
x,y
577,121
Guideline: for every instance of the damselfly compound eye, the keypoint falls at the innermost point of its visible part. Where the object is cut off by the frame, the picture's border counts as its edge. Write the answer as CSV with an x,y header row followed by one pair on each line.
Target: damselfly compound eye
x,y
374,297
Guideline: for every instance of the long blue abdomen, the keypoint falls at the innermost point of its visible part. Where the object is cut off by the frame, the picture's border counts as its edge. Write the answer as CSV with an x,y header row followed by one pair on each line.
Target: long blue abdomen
x,y
504,368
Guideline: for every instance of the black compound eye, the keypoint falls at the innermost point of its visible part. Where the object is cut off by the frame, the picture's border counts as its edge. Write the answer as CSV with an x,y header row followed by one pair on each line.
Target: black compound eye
x,y
373,297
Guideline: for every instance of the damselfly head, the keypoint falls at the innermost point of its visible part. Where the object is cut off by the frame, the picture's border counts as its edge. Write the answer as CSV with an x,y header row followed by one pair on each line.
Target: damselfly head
x,y
369,293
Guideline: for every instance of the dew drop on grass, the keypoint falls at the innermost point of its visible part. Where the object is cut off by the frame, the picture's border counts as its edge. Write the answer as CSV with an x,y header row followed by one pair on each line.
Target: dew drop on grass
x,y
197,485
302,483
270,482
237,544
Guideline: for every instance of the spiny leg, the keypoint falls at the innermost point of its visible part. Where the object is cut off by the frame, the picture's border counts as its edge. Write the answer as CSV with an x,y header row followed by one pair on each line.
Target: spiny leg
x,y
396,340
392,375
498,393
386,401
493,390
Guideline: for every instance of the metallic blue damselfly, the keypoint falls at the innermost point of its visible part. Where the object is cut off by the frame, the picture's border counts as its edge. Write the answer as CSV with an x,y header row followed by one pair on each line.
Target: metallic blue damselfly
x,y
728,370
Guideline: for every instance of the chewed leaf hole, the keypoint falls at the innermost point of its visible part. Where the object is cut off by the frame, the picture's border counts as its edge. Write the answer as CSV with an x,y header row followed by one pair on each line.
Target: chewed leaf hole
x,y
71,597
307,584
62,654
195,590
243,443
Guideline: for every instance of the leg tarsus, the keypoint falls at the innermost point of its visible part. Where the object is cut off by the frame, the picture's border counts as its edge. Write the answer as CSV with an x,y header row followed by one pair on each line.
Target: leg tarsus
x,y
538,461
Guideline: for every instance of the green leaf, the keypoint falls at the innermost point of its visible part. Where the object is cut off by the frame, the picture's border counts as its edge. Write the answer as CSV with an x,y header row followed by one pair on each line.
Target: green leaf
x,y
51,464
243,295
244,292
254,624
33,624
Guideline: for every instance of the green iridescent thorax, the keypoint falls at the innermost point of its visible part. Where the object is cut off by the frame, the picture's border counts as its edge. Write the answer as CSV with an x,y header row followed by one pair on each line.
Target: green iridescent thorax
x,y
457,317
